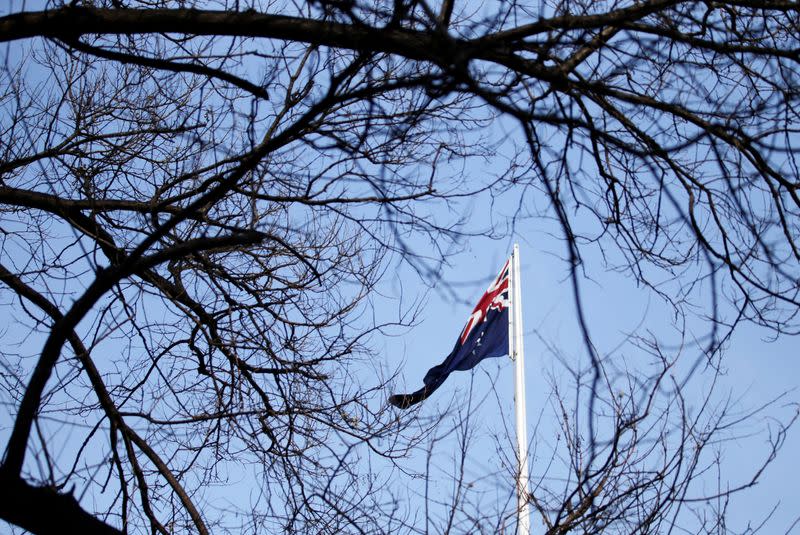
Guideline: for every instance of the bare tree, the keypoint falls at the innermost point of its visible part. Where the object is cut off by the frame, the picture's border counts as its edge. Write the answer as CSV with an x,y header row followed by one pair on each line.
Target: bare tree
x,y
197,204
652,458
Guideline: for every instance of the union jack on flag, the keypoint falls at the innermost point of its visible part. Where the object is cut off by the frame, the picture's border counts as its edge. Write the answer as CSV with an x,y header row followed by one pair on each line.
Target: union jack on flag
x,y
485,335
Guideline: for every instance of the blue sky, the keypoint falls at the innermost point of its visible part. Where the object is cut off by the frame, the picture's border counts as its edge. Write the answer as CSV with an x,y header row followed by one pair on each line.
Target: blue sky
x,y
754,368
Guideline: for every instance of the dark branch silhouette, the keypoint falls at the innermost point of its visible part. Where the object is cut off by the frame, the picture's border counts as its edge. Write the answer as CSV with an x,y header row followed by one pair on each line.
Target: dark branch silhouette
x,y
198,208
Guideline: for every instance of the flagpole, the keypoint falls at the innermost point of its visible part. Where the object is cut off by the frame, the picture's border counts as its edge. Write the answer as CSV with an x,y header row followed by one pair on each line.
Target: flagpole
x,y
517,353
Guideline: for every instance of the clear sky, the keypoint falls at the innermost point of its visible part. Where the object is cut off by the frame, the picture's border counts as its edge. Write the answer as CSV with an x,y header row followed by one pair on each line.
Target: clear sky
x,y
754,368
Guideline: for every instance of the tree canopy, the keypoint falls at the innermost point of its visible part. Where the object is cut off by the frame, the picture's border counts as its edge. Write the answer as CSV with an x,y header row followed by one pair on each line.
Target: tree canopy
x,y
199,199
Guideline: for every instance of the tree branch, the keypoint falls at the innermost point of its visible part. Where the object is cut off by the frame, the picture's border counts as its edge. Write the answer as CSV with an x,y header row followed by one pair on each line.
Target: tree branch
x,y
42,510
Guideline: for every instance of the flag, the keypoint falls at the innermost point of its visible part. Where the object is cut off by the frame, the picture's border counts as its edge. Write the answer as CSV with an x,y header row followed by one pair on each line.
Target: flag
x,y
485,335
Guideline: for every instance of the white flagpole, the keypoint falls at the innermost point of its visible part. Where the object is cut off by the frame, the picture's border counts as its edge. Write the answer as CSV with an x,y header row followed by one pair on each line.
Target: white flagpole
x,y
517,353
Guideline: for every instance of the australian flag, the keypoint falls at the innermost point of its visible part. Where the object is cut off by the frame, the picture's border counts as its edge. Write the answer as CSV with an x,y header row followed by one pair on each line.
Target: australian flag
x,y
485,335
